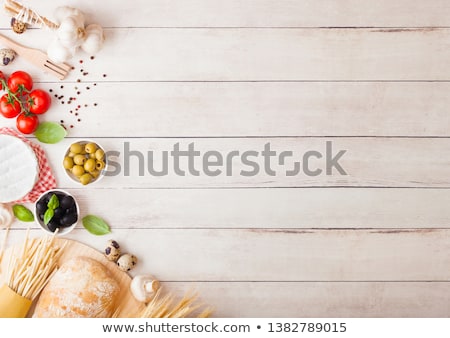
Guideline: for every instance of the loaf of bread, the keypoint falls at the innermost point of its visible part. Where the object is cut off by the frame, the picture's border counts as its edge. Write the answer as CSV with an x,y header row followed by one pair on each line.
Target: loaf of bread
x,y
82,288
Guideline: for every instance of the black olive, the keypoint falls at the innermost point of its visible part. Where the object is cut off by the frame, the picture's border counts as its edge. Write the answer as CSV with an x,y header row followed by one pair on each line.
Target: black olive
x,y
53,225
59,212
66,202
41,206
68,219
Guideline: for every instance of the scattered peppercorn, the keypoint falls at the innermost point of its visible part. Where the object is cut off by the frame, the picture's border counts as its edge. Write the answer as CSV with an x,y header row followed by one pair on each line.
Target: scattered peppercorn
x,y
92,57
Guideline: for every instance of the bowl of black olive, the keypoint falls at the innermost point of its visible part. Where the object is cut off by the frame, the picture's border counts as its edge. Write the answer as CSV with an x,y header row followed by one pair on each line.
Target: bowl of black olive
x,y
57,209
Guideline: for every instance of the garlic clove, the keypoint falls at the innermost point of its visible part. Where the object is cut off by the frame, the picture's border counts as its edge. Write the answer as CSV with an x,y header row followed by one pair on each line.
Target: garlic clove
x,y
65,11
94,39
58,53
6,216
144,288
70,33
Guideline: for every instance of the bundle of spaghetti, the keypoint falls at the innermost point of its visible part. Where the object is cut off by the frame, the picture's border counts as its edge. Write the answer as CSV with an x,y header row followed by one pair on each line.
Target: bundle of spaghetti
x,y
28,271
27,15
164,307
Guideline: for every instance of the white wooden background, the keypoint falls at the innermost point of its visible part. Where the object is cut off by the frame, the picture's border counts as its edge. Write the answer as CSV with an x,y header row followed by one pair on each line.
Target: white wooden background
x,y
372,76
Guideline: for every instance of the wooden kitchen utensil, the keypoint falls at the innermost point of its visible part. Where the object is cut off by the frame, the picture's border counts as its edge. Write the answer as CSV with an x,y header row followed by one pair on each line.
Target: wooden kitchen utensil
x,y
38,58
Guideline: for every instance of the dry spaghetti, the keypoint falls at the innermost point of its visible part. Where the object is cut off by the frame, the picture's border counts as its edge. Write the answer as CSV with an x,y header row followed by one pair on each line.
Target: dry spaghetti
x,y
28,271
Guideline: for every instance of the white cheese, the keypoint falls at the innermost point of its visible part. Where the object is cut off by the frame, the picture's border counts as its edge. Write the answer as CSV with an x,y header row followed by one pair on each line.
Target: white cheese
x,y
19,168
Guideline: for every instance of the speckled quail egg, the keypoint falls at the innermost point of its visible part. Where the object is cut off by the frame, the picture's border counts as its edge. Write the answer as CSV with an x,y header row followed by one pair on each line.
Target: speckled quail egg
x,y
112,251
7,56
126,262
18,26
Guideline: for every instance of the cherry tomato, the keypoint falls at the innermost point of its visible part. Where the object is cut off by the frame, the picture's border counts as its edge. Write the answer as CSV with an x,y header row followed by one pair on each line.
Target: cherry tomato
x,y
27,123
20,80
9,107
3,77
39,101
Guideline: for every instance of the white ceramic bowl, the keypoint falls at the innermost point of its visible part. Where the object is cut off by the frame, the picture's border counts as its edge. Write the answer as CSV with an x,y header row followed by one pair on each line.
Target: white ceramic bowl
x,y
62,230
102,172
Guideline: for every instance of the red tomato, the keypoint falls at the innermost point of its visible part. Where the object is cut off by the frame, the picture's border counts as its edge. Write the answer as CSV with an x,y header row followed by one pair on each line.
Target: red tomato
x,y
3,77
27,124
9,107
20,80
39,101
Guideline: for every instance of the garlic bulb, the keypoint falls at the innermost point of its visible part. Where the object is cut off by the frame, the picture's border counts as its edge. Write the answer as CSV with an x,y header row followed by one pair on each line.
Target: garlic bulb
x,y
72,34
94,39
6,217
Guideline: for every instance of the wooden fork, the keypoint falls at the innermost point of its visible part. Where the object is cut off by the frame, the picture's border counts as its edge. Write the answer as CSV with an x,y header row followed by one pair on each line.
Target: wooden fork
x,y
38,58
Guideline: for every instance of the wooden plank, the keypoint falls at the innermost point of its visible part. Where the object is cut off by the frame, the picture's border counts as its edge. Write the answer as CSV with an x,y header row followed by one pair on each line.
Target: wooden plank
x,y
265,55
254,109
319,299
373,162
259,13
282,255
268,208
273,55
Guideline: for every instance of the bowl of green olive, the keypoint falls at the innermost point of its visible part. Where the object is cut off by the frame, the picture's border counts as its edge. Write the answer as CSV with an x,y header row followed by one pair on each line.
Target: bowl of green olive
x,y
85,162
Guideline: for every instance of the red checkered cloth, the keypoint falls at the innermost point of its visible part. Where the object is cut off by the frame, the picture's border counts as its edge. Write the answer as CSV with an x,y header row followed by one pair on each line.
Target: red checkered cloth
x,y
46,180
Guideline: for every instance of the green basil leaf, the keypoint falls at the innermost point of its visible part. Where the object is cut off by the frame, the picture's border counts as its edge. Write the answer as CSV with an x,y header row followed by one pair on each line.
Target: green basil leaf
x,y
50,132
48,216
22,213
95,225
53,203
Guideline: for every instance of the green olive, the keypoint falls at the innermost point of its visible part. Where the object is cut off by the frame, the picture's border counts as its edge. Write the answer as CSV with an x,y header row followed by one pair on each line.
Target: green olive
x,y
99,165
76,148
90,165
68,162
71,154
79,159
92,156
95,173
90,148
85,179
78,170
100,154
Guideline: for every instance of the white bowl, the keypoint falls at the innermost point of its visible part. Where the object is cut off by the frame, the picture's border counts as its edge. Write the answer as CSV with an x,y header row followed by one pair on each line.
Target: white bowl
x,y
102,172
62,230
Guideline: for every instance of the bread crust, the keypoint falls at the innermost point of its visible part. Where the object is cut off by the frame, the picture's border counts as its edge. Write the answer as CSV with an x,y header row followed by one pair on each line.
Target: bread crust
x,y
82,288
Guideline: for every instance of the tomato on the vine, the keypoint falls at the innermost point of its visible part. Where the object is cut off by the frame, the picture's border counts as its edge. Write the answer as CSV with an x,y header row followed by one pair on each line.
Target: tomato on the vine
x,y
38,101
20,80
2,77
9,107
27,123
